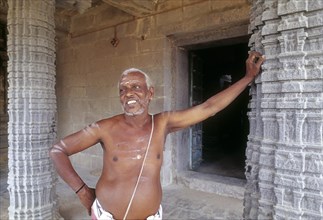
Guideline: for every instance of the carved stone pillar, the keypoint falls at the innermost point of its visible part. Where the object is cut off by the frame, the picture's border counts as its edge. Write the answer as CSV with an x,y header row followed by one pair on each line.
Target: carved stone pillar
x,y
285,149
252,194
32,109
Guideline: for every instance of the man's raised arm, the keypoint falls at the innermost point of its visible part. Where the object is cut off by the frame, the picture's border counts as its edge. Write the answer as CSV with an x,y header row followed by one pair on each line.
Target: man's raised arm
x,y
181,119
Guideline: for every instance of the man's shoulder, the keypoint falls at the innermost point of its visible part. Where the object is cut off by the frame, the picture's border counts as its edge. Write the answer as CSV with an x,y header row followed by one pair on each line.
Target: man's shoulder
x,y
162,117
110,120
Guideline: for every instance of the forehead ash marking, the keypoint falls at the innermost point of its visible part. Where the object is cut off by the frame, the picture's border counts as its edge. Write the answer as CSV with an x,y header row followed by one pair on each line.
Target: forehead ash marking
x,y
124,82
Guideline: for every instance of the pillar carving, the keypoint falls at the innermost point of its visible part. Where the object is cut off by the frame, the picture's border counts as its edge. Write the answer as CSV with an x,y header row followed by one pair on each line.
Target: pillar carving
x,y
285,149
31,108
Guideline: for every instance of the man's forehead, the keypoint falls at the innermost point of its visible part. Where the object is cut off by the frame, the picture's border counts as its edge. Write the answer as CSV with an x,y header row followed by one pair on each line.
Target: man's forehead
x,y
133,77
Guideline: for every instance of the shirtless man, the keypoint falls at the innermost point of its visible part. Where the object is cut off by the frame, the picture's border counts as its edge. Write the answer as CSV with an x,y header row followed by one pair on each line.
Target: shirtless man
x,y
125,139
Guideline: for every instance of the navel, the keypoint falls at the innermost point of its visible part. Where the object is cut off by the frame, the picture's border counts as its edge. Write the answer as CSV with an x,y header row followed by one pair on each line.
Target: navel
x,y
115,159
158,156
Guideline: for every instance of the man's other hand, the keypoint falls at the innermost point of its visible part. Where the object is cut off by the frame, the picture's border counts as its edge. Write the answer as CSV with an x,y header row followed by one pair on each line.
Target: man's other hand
x,y
253,64
87,197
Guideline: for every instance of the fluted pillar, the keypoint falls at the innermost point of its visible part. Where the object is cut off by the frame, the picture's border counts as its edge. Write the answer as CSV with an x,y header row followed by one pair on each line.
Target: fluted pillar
x,y
32,109
285,149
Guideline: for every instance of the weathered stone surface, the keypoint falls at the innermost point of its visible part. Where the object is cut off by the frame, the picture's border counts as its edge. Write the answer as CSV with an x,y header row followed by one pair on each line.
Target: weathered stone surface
x,y
32,109
289,178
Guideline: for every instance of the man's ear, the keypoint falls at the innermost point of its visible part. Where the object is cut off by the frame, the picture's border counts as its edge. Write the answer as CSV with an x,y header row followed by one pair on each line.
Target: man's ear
x,y
151,92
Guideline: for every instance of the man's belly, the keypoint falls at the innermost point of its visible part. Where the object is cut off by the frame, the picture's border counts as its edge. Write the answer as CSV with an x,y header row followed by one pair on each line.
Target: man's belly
x,y
114,196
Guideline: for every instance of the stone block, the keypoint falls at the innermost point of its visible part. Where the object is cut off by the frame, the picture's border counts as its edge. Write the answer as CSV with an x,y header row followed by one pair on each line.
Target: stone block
x,y
272,87
284,103
313,184
310,215
314,73
267,194
270,43
196,10
151,45
314,163
294,21
168,18
269,10
315,19
314,103
290,161
291,7
283,213
100,48
314,59
75,92
292,41
313,129
293,86
313,202
269,103
265,210
315,33
289,182
201,23
266,175
258,13
290,199
313,86
266,159
270,126
80,21
107,15
315,5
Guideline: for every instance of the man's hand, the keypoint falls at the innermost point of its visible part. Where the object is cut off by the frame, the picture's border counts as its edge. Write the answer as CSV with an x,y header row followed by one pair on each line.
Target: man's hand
x,y
87,197
253,64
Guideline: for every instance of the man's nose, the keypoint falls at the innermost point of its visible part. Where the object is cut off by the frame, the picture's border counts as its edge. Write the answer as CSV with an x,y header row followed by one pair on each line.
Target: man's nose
x,y
129,92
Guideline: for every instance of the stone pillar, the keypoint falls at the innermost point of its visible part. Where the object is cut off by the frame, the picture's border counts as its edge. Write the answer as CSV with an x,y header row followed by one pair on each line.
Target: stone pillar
x,y
285,149
32,109
252,194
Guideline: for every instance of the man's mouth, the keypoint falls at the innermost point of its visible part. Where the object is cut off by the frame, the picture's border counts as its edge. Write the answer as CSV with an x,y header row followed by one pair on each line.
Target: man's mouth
x,y
131,102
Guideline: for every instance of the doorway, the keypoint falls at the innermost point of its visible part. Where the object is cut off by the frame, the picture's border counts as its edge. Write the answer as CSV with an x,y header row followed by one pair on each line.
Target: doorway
x,y
218,144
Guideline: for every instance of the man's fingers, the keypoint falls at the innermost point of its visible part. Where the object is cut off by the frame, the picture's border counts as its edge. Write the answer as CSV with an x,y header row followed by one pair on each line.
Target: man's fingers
x,y
251,53
260,60
256,57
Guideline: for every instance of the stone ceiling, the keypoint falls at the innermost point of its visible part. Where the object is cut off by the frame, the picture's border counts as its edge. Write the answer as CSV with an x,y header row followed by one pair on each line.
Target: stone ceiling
x,y
66,9
136,8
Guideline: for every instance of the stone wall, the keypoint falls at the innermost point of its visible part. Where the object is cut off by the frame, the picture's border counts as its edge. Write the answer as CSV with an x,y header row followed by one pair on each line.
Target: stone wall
x,y
88,66
285,149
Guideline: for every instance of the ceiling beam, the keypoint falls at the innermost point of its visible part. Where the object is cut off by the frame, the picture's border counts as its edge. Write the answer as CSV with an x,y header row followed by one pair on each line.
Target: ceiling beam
x,y
137,8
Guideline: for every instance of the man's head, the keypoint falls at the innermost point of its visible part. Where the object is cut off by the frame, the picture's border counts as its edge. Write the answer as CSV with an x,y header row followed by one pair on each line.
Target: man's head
x,y
135,91
131,70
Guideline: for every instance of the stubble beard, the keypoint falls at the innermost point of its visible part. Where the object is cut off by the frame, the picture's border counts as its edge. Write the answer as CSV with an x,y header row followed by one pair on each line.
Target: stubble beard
x,y
140,111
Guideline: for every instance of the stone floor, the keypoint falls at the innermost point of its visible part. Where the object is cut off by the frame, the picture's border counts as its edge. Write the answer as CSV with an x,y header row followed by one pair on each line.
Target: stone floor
x,y
178,202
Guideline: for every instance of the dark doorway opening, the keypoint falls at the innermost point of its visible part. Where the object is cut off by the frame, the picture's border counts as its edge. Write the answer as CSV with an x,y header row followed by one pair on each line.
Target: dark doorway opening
x,y
224,136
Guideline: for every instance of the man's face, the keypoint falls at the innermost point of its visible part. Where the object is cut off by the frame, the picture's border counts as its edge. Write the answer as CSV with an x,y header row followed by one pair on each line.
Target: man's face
x,y
134,94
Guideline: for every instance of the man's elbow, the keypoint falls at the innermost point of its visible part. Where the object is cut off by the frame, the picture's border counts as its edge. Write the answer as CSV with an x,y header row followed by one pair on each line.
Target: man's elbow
x,y
55,150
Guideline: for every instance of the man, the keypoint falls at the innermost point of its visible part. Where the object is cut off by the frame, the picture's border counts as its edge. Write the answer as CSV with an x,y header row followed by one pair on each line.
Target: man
x,y
132,143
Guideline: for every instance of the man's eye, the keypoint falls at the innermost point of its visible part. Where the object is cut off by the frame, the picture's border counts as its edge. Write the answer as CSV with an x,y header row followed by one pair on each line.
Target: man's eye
x,y
136,87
